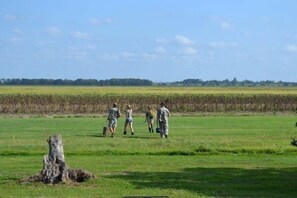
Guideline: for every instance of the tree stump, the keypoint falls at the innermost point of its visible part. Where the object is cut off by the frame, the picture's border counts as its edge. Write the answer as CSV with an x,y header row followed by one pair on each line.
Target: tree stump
x,y
55,169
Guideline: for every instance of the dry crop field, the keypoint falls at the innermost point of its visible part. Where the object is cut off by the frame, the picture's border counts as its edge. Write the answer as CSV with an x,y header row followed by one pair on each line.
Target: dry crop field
x,y
97,100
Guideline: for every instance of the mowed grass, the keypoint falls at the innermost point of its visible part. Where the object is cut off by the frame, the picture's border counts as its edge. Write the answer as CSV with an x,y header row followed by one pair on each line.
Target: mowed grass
x,y
207,156
151,90
188,136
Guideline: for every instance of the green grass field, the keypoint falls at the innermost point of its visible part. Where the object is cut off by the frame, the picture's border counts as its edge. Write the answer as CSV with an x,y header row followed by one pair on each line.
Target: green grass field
x,y
207,156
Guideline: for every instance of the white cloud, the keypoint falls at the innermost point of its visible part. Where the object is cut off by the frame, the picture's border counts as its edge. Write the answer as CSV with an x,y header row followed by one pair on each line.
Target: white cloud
x,y
291,48
127,54
46,53
81,35
183,40
90,47
42,43
53,31
225,25
247,34
161,41
284,59
76,54
217,44
108,57
96,21
131,56
73,48
147,56
243,55
17,31
290,36
108,20
265,19
188,51
10,17
223,44
15,40
160,50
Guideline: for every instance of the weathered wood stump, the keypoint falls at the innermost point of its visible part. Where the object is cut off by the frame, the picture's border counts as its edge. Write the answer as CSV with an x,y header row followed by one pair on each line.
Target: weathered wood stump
x,y
55,169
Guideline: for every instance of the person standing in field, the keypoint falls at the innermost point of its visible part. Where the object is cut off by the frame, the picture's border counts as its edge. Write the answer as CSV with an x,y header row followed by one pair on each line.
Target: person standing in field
x,y
162,118
114,114
129,120
149,117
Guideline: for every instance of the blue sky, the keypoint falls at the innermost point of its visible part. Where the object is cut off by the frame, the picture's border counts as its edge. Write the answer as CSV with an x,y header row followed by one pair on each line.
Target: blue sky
x,y
160,40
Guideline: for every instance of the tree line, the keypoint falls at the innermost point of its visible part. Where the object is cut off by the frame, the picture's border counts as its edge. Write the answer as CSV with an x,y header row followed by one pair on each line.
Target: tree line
x,y
233,82
143,82
78,82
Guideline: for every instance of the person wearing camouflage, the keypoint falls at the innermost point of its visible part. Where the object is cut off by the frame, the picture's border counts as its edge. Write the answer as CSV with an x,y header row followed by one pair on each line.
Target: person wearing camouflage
x,y
114,114
162,117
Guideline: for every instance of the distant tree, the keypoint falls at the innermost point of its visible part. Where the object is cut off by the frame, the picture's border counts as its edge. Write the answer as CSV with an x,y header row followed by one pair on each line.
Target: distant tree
x,y
141,82
233,82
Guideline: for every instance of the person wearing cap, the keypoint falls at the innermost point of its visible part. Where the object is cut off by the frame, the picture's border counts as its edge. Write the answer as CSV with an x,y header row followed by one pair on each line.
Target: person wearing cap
x,y
162,117
114,114
129,120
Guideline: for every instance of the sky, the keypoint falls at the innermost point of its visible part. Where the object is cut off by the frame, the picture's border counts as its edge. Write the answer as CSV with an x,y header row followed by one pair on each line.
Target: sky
x,y
159,40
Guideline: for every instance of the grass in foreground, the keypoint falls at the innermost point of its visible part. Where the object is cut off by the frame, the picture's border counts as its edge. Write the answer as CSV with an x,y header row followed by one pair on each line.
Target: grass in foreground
x,y
213,156
174,176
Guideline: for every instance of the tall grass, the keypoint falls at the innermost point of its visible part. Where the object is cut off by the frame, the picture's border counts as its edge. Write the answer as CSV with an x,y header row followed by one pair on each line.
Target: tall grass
x,y
99,103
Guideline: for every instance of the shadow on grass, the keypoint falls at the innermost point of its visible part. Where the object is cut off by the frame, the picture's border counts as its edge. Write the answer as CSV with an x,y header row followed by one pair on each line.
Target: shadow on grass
x,y
6,180
136,136
220,182
91,135
141,137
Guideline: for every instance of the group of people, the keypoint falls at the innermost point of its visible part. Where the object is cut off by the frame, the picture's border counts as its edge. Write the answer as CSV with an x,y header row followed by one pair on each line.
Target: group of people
x,y
162,119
